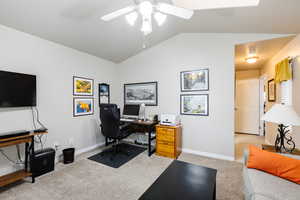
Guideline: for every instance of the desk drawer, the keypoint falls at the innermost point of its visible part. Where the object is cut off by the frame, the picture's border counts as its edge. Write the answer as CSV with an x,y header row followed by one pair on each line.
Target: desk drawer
x,y
166,131
165,147
165,137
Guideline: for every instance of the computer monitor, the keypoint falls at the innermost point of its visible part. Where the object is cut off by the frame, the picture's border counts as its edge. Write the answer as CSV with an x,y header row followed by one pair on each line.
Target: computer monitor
x,y
131,111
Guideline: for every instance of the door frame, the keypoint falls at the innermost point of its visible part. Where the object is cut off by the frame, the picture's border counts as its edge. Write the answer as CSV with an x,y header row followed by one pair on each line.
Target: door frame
x,y
262,103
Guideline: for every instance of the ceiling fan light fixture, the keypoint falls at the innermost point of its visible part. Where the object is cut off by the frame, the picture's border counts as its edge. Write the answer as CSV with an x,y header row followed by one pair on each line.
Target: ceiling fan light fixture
x,y
160,18
252,59
146,26
146,8
131,18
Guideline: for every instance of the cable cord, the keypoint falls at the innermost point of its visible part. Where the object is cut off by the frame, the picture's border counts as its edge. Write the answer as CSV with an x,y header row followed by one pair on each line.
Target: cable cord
x,y
34,119
6,156
38,118
19,154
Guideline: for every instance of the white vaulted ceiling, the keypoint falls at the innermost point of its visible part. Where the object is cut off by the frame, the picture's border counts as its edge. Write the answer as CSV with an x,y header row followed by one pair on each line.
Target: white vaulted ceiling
x,y
77,24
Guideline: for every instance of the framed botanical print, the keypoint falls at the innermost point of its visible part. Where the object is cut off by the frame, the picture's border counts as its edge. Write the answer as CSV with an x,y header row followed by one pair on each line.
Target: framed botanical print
x,y
196,80
83,106
139,93
271,90
83,86
194,104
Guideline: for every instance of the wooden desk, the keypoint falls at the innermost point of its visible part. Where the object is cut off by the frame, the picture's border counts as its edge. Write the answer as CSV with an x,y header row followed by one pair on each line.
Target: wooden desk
x,y
29,148
271,148
148,127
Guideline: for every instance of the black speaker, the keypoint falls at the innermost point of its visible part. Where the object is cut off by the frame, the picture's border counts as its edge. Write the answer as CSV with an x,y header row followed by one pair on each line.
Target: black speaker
x,y
42,162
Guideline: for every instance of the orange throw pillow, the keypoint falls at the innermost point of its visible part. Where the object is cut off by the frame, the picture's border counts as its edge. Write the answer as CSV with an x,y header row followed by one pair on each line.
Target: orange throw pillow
x,y
273,163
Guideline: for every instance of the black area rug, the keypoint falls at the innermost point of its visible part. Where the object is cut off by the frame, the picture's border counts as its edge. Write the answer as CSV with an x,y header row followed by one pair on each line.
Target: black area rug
x,y
119,159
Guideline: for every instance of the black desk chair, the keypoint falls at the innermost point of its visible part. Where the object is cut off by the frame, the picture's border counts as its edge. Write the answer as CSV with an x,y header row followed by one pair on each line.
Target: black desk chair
x,y
111,127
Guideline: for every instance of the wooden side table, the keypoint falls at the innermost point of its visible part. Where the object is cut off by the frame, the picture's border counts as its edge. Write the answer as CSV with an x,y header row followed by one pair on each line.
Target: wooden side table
x,y
29,154
271,148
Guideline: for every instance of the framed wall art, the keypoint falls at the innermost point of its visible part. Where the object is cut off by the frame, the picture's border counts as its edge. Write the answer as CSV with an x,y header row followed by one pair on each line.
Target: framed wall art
x,y
83,106
104,93
272,90
196,80
138,93
194,104
83,86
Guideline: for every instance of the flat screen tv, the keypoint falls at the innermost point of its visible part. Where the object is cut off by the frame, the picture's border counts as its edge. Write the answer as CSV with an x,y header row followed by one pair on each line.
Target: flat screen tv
x,y
17,90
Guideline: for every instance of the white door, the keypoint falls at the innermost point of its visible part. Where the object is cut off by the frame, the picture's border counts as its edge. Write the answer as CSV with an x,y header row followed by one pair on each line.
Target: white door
x,y
247,106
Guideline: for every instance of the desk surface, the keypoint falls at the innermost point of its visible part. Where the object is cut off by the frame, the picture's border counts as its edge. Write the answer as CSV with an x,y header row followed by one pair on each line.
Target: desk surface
x,y
140,122
182,180
21,137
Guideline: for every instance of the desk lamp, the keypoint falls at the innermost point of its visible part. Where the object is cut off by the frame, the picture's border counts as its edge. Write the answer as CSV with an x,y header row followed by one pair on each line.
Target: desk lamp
x,y
284,116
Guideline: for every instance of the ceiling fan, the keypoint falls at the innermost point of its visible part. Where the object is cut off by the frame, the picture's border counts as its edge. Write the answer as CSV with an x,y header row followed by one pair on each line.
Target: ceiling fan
x,y
181,8
147,9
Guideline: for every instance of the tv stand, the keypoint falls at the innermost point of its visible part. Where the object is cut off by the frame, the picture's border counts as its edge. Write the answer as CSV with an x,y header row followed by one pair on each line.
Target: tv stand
x,y
28,139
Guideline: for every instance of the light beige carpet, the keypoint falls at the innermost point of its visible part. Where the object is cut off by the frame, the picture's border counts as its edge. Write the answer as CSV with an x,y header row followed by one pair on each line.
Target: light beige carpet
x,y
89,180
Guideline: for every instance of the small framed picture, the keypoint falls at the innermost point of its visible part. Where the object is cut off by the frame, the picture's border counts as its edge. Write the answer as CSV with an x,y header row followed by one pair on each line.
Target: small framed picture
x,y
197,80
194,104
104,93
83,106
138,93
103,89
83,86
272,90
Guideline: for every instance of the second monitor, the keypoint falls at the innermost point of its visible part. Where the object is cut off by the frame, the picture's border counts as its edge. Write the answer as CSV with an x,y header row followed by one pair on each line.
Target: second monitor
x,y
131,111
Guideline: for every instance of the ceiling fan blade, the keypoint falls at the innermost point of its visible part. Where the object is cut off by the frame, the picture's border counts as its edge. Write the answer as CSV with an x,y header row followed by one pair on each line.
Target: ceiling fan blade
x,y
118,13
173,10
214,4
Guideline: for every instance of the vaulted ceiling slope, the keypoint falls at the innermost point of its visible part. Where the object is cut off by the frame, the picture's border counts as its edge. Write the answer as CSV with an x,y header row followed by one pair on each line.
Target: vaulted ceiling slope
x,y
77,24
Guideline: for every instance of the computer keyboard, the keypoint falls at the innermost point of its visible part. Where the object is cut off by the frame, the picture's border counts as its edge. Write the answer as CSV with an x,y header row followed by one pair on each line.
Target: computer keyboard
x,y
127,120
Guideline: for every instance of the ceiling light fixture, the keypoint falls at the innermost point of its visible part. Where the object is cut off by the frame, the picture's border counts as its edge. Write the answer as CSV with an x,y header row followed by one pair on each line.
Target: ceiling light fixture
x,y
160,18
146,26
131,18
147,10
252,59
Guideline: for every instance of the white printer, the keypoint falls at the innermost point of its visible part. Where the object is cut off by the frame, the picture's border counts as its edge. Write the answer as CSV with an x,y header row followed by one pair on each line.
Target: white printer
x,y
169,120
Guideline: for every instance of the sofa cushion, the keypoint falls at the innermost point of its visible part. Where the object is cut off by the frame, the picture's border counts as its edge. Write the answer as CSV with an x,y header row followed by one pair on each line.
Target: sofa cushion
x,y
263,186
273,163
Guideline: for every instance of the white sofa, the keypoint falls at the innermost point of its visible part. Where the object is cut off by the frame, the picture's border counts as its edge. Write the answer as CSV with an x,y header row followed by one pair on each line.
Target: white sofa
x,y
259,185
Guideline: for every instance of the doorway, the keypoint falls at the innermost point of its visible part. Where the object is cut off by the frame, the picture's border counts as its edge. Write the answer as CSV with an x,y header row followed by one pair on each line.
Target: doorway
x,y
251,78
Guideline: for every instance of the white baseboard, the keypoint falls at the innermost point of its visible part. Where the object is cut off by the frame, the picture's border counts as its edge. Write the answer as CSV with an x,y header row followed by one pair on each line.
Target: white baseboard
x,y
210,155
87,149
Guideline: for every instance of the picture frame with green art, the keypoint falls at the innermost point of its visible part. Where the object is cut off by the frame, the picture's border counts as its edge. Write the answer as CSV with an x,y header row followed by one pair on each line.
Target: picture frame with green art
x,y
194,104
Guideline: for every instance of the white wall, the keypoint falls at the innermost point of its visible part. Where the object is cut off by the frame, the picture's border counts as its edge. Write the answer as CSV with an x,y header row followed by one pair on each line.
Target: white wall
x,y
54,65
292,49
213,135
